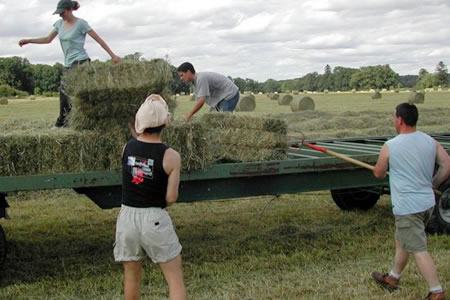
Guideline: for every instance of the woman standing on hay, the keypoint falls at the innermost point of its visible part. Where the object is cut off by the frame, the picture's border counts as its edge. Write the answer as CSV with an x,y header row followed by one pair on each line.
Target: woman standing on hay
x,y
72,35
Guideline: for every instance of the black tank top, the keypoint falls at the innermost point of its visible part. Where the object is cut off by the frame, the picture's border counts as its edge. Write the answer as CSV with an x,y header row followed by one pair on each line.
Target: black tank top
x,y
144,181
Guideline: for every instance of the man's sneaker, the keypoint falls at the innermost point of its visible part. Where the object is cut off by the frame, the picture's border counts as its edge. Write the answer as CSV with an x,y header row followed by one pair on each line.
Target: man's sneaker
x,y
386,281
434,296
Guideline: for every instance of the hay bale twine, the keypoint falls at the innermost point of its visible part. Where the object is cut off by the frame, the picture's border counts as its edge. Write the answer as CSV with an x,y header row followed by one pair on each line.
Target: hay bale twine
x,y
285,100
3,101
416,97
376,95
246,103
305,103
275,97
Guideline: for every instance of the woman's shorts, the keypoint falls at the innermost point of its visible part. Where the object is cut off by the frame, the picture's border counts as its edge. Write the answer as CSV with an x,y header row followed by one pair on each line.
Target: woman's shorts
x,y
141,231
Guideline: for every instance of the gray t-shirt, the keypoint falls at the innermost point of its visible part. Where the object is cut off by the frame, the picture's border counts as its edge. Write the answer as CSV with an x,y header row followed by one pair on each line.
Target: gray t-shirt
x,y
72,41
411,163
214,87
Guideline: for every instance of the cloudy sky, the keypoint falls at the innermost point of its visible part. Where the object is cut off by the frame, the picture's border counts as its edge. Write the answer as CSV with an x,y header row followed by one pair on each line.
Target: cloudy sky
x,y
256,39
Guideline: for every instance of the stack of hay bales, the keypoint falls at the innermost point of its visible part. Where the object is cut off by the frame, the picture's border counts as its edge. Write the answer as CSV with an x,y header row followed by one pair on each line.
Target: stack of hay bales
x,y
285,100
246,103
234,138
416,98
3,101
25,152
106,95
376,95
105,98
305,103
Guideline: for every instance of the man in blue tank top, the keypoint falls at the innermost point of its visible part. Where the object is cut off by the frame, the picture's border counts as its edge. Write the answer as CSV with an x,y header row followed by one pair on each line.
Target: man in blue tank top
x,y
150,181
411,157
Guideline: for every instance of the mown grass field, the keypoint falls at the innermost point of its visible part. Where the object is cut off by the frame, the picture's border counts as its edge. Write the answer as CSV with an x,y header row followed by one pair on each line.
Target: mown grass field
x,y
292,247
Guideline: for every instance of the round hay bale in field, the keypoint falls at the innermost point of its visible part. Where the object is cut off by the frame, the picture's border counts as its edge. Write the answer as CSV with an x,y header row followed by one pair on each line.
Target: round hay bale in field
x,y
305,103
376,95
275,97
416,97
192,98
32,98
3,101
285,100
246,103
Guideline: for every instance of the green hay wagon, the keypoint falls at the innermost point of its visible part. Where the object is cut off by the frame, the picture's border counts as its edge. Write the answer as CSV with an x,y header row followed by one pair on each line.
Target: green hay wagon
x,y
307,170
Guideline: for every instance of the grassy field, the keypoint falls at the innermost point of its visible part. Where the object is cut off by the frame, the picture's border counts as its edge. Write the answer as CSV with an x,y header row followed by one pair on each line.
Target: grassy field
x,y
292,247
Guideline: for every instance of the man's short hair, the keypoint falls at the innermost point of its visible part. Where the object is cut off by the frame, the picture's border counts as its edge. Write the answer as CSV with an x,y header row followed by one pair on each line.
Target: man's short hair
x,y
154,129
184,67
408,112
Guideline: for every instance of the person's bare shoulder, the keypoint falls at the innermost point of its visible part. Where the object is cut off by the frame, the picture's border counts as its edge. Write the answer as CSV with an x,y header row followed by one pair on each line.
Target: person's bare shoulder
x,y
172,159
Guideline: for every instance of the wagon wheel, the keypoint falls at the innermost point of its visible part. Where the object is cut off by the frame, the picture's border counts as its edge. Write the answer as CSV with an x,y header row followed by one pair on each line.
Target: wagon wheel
x,y
356,198
2,247
440,223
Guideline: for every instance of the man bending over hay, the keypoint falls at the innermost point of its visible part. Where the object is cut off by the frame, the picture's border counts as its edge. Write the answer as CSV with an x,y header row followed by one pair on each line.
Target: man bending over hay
x,y
150,180
218,91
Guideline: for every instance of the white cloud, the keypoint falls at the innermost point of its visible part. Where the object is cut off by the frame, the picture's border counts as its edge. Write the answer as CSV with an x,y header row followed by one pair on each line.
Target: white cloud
x,y
256,39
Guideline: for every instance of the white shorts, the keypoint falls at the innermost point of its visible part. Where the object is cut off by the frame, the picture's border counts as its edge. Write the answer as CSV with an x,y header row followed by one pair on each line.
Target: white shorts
x,y
141,231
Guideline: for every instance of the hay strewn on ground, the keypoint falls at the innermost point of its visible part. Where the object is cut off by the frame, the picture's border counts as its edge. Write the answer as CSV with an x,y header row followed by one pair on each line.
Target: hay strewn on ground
x,y
319,125
105,94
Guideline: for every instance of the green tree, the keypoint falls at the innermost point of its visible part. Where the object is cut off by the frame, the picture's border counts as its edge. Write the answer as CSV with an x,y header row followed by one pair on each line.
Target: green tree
x,y
374,77
427,81
342,77
241,83
271,86
47,78
16,72
252,85
441,74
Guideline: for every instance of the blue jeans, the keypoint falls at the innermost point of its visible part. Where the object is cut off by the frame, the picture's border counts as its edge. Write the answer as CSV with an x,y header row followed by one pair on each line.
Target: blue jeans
x,y
227,104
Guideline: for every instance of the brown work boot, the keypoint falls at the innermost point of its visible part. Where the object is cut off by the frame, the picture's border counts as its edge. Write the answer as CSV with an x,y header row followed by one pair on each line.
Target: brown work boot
x,y
434,296
385,280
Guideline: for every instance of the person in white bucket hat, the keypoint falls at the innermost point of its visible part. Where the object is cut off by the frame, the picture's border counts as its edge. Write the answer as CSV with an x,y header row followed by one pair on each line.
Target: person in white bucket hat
x,y
150,181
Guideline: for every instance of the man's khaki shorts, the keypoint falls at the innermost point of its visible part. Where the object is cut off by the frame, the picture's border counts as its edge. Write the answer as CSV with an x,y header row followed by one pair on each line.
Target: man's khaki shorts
x,y
410,231
141,231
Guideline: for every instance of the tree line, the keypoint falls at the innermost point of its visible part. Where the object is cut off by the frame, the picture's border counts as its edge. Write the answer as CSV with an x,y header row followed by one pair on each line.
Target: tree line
x,y
19,77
